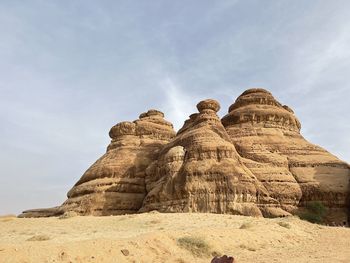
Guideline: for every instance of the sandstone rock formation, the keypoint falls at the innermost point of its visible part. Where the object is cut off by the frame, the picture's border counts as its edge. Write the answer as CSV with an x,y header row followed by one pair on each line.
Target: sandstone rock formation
x,y
115,183
294,171
200,171
252,162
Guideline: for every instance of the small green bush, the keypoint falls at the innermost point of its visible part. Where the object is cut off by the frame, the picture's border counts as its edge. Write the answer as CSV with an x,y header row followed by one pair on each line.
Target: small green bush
x,y
315,213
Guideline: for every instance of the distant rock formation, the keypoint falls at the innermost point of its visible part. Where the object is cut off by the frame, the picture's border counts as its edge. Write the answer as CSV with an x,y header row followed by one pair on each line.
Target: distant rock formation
x,y
252,162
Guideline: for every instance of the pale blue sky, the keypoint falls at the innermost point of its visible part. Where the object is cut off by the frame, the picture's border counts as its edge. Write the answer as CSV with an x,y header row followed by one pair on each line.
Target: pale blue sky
x,y
70,70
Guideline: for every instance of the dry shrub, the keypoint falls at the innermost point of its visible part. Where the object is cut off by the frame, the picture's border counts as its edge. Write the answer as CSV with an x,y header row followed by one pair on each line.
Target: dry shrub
x,y
155,221
196,245
285,225
246,225
39,238
68,214
247,247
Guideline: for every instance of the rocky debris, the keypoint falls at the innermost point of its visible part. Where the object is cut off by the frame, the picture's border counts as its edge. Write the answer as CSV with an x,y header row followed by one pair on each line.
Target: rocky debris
x,y
253,161
223,259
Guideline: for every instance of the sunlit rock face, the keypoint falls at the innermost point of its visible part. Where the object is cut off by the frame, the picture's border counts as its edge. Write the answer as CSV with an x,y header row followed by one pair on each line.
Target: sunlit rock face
x,y
253,161
294,171
201,171
115,183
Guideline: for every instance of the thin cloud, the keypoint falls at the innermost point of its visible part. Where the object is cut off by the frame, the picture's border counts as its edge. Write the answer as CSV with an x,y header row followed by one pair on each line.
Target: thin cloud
x,y
178,106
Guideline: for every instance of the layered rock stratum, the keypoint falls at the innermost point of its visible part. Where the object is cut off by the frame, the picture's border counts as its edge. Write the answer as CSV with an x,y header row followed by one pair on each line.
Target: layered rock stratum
x,y
254,161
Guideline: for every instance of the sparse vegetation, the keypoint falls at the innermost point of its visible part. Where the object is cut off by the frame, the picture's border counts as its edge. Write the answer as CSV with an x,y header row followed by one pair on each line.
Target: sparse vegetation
x,y
68,214
315,212
284,224
196,245
246,225
247,247
156,221
39,238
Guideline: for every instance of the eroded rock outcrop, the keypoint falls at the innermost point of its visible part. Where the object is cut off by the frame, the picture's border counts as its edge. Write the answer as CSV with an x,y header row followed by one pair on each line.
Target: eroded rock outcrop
x,y
253,161
115,183
200,171
294,171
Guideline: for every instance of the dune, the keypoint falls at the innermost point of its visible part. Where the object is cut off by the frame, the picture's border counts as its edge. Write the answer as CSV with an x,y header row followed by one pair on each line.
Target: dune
x,y
170,237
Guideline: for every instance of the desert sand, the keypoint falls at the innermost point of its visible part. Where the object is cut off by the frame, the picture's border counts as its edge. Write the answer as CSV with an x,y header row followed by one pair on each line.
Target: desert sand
x,y
178,237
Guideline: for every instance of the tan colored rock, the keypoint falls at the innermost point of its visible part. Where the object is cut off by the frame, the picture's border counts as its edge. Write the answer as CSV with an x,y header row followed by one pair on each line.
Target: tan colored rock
x,y
252,162
115,183
200,171
294,171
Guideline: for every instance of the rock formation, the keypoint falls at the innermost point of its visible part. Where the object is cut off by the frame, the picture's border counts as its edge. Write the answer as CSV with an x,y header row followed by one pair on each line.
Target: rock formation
x,y
252,162
200,171
294,171
115,183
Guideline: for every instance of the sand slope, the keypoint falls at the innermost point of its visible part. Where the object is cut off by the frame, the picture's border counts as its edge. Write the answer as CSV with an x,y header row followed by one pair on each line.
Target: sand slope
x,y
153,237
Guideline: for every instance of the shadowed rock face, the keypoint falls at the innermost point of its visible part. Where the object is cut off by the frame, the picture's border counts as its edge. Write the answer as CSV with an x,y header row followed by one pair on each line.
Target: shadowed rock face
x,y
252,162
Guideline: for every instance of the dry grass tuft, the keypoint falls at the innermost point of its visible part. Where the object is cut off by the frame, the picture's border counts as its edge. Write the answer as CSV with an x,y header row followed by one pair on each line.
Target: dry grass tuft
x,y
247,247
68,214
156,221
39,238
246,225
284,224
196,245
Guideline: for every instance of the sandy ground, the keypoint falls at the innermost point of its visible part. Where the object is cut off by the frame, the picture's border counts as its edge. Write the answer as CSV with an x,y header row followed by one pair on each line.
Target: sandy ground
x,y
154,237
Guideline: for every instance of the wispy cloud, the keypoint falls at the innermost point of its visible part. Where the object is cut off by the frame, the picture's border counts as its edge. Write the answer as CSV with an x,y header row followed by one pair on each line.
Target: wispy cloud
x,y
177,105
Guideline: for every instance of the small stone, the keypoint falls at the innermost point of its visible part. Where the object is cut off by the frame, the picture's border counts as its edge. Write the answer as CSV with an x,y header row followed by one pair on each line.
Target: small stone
x,y
223,259
125,252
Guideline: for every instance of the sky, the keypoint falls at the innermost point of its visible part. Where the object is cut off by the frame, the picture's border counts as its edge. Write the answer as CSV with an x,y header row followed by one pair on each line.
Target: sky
x,y
70,70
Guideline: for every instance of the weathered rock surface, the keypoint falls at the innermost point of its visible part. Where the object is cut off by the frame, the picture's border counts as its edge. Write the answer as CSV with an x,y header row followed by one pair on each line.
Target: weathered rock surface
x,y
252,162
115,183
294,171
200,171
